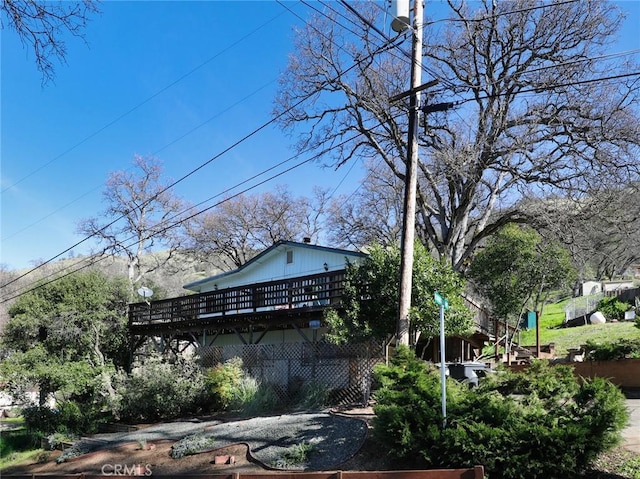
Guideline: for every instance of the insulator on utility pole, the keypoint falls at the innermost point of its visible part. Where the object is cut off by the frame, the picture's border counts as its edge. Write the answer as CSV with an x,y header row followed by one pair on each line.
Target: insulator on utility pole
x,y
400,15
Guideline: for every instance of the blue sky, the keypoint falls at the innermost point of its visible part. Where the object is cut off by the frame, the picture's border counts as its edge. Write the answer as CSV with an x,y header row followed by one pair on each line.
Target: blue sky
x,y
56,153
180,81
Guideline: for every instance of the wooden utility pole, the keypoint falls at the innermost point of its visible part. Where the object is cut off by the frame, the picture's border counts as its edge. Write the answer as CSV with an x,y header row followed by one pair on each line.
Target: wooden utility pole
x,y
409,218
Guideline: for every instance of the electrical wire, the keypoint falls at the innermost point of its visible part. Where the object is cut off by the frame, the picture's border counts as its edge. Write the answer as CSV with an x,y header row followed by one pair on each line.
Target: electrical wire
x,y
144,102
552,87
163,229
181,214
198,168
533,90
500,14
174,141
273,120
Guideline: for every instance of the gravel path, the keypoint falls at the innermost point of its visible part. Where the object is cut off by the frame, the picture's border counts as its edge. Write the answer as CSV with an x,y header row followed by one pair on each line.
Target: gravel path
x,y
333,438
167,431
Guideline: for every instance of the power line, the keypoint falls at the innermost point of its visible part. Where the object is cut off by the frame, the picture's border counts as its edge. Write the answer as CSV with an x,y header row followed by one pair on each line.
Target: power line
x,y
285,112
170,225
176,140
184,219
198,168
546,88
499,14
144,102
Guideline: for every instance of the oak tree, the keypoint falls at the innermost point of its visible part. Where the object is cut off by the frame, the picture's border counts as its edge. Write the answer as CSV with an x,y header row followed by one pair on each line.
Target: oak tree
x,y
42,26
518,269
141,221
239,228
65,335
538,108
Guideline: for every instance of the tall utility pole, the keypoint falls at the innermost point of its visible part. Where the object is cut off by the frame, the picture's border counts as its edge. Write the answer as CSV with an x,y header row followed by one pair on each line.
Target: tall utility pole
x,y
409,218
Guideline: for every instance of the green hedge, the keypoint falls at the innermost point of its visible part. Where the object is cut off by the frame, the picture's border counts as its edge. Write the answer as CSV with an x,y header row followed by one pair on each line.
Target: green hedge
x,y
541,423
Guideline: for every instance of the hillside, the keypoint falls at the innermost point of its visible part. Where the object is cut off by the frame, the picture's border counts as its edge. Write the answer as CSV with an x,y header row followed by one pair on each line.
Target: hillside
x,y
551,331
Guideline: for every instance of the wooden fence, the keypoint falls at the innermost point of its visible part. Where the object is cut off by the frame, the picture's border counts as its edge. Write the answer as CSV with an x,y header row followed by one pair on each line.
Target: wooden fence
x,y
476,472
624,373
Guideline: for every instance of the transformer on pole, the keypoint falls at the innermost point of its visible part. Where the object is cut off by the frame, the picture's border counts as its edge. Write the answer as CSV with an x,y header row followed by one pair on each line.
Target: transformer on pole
x,y
400,15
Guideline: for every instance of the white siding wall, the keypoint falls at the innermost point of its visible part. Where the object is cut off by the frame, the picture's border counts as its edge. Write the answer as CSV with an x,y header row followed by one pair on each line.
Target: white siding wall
x,y
305,261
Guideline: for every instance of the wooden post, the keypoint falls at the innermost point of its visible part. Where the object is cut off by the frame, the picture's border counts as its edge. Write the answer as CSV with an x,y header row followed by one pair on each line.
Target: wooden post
x,y
409,215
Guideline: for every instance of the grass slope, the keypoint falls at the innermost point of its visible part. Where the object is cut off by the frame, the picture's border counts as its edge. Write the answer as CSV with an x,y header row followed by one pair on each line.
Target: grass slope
x,y
551,331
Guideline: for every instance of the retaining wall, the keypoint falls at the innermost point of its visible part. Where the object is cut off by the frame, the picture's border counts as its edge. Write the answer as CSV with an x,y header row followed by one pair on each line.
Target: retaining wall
x,y
623,372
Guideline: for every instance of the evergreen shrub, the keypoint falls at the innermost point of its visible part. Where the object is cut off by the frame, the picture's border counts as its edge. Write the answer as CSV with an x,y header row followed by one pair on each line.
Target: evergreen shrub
x,y
224,383
613,308
42,419
623,348
158,389
542,423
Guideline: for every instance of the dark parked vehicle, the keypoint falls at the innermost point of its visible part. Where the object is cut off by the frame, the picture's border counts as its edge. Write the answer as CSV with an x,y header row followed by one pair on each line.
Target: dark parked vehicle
x,y
469,372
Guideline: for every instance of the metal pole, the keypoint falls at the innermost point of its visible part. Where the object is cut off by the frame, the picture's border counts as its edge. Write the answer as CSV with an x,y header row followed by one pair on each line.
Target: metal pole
x,y
443,378
409,216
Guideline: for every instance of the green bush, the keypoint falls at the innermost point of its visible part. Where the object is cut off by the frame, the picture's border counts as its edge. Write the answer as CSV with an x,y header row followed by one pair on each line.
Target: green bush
x,y
223,383
69,417
80,418
621,349
158,389
257,398
313,395
613,308
230,388
42,419
20,440
542,423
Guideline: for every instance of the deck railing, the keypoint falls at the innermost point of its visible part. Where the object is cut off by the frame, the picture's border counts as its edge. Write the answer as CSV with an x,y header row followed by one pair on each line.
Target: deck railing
x,y
318,290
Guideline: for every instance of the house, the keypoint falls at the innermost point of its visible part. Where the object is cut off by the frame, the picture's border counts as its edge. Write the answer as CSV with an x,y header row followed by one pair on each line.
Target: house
x,y
596,287
290,277
276,297
269,313
284,259
615,286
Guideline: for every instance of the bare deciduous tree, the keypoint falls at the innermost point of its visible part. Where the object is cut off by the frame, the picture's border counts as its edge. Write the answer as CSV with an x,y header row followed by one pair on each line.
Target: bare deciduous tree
x,y
43,24
141,222
600,231
371,214
539,109
239,228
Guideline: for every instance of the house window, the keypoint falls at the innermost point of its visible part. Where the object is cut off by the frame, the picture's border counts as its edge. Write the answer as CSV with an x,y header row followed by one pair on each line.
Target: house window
x,y
289,257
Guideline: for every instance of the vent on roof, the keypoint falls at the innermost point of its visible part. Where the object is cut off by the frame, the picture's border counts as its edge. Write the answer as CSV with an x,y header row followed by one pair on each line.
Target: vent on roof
x,y
306,240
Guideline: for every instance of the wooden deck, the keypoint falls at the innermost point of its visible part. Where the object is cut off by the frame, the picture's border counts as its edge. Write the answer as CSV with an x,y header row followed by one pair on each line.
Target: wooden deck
x,y
262,305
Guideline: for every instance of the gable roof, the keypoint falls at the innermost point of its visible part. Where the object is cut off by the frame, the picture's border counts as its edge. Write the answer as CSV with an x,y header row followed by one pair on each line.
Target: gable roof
x,y
266,254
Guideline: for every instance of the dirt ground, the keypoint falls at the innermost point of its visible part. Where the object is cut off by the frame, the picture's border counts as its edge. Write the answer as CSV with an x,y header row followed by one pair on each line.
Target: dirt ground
x,y
124,460
130,459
